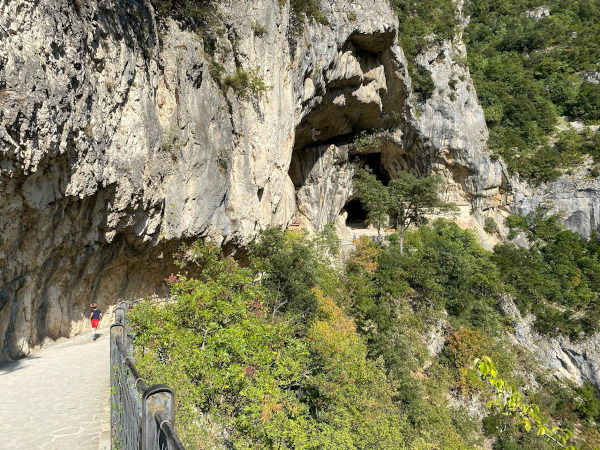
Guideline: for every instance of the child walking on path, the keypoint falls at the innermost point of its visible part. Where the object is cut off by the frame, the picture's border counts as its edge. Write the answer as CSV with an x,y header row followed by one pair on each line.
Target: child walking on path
x,y
95,317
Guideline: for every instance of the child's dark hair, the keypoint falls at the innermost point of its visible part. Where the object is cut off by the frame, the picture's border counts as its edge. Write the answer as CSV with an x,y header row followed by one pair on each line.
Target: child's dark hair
x,y
93,306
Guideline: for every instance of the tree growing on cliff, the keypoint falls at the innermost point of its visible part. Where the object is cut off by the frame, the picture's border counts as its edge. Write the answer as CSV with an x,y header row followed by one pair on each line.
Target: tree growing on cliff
x,y
374,197
406,200
412,198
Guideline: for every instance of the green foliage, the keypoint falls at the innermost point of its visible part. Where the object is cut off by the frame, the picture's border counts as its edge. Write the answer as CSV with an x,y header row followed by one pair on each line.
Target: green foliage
x,y
293,351
223,160
303,10
247,84
200,16
263,381
509,402
172,142
367,139
196,13
526,72
374,197
259,29
423,24
395,298
587,105
291,265
589,408
557,278
412,198
490,225
549,162
421,81
406,200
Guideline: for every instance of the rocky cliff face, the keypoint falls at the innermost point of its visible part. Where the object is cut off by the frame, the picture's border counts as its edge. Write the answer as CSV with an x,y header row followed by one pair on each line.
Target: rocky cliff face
x,y
117,142
574,198
575,361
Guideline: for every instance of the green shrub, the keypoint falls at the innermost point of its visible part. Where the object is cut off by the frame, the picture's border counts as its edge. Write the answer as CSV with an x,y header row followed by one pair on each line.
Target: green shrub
x,y
587,105
490,225
367,138
422,82
303,10
292,265
259,29
247,84
259,378
223,160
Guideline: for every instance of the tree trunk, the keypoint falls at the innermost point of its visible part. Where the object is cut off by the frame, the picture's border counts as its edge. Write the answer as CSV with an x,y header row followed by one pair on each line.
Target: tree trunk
x,y
401,239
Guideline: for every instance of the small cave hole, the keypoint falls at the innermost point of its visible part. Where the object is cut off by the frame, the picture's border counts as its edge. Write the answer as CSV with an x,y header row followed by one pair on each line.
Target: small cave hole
x,y
260,194
357,215
373,160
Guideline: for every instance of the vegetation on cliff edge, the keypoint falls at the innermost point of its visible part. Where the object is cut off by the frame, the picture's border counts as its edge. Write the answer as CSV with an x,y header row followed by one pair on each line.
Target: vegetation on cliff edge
x,y
293,351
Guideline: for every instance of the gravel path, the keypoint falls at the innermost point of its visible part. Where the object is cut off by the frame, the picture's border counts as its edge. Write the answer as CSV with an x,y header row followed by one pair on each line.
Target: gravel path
x,y
58,397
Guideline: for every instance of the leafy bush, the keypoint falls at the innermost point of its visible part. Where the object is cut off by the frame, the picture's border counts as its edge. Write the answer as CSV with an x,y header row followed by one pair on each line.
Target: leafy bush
x,y
291,265
247,84
490,225
263,381
196,13
587,105
422,82
301,10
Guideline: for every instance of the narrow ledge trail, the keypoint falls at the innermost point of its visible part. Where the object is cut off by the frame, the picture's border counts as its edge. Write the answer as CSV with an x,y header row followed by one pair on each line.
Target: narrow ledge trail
x,y
57,398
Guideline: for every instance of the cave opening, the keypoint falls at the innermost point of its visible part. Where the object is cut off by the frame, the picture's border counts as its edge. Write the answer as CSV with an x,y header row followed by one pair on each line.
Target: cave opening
x,y
357,215
373,160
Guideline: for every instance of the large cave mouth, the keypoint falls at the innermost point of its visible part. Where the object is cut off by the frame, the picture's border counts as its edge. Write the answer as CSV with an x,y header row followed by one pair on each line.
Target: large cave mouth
x,y
357,215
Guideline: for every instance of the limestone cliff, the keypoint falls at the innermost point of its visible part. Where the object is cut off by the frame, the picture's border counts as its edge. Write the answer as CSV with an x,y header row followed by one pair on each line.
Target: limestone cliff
x,y
117,142
575,198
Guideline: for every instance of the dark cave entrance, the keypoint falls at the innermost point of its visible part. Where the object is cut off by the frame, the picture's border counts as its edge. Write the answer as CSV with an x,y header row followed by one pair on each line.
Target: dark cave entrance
x,y
373,161
357,215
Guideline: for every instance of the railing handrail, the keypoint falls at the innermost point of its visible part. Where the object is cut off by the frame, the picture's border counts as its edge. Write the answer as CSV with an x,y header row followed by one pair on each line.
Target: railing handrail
x,y
153,426
167,427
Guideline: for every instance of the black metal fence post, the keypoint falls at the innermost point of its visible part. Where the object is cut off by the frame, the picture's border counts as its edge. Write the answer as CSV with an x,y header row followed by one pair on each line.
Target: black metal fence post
x,y
157,399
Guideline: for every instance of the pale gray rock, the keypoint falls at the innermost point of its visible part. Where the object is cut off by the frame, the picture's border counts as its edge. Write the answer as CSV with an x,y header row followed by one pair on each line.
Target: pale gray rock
x,y
327,182
591,76
574,198
538,13
574,361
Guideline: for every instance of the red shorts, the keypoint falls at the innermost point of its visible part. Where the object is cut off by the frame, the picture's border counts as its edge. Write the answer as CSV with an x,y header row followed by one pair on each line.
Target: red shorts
x,y
95,323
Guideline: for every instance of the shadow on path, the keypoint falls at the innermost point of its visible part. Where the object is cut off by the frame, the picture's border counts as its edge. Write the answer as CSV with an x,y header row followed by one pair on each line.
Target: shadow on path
x,y
17,364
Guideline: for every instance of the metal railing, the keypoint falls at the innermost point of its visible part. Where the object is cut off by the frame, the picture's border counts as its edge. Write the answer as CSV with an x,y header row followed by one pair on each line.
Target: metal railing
x,y
142,417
